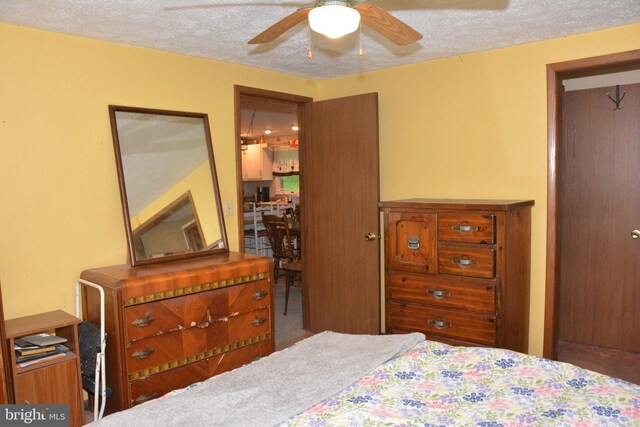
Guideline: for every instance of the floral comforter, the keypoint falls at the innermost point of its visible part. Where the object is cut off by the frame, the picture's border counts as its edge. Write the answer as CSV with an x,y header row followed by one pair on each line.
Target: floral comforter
x,y
434,384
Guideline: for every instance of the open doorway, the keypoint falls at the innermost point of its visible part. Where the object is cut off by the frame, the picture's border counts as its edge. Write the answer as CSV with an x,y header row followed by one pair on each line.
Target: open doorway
x,y
339,197
267,141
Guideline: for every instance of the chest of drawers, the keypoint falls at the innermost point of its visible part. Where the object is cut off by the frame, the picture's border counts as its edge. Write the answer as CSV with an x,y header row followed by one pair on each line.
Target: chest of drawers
x,y
173,324
459,270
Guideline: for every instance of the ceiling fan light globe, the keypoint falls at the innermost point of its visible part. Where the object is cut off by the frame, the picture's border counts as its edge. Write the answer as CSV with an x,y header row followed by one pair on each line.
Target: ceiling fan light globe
x,y
334,21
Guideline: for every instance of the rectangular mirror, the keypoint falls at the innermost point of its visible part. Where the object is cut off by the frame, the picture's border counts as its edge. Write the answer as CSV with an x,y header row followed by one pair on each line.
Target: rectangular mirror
x,y
168,184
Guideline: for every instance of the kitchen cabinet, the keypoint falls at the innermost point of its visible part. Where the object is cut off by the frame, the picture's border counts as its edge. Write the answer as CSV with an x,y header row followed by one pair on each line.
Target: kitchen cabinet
x,y
286,162
257,163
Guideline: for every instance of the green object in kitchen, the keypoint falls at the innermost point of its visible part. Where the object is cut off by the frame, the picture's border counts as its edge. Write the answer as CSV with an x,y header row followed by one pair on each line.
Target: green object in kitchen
x,y
291,183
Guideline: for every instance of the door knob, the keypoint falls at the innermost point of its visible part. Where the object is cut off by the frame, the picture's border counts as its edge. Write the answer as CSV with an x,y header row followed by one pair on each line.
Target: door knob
x,y
369,237
635,234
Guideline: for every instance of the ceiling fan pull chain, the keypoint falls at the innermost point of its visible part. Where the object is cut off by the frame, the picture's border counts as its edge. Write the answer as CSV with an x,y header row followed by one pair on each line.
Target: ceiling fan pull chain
x,y
309,54
361,52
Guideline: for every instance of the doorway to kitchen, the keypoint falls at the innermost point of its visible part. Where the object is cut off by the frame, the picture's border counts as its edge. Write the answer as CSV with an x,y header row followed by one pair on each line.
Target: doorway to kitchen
x,y
267,129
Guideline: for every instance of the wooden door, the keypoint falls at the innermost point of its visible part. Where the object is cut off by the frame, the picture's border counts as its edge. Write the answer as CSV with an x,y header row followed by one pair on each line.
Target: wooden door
x,y
339,178
600,208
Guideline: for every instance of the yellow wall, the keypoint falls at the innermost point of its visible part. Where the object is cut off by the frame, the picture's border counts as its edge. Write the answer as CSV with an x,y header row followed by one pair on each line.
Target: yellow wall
x,y
475,126
60,209
468,126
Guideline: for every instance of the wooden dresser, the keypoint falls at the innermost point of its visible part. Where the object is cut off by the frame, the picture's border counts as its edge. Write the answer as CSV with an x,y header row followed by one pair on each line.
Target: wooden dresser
x,y
173,324
459,270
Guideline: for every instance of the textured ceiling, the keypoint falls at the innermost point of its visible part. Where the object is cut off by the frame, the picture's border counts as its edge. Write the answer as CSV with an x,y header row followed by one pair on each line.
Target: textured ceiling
x,y
220,29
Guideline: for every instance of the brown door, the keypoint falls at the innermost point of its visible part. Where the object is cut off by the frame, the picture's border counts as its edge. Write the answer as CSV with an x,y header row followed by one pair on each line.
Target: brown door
x,y
600,209
339,208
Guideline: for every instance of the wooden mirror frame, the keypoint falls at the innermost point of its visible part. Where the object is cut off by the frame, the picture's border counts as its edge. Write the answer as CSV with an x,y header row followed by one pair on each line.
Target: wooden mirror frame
x,y
223,246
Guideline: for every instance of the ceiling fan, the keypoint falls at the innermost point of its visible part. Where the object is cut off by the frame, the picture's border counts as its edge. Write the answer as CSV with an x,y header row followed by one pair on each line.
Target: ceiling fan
x,y
335,18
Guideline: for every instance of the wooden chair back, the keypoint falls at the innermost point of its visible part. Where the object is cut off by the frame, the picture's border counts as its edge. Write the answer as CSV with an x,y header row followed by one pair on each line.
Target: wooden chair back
x,y
279,237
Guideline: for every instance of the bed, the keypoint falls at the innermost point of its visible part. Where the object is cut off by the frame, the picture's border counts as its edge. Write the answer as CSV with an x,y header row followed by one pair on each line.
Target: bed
x,y
335,379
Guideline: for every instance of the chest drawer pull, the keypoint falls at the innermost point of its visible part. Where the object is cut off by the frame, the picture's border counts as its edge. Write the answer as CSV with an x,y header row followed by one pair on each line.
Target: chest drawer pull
x,y
257,295
258,321
143,321
147,397
439,324
463,261
413,242
465,228
437,294
144,353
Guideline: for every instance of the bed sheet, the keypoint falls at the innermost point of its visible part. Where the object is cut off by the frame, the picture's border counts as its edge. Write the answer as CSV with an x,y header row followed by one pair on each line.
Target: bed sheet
x,y
434,384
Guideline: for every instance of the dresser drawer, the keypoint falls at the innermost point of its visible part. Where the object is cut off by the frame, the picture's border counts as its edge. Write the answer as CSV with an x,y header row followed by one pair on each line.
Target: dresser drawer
x,y
412,242
174,314
466,228
469,261
249,297
192,342
174,346
248,325
444,323
159,384
146,320
445,340
441,293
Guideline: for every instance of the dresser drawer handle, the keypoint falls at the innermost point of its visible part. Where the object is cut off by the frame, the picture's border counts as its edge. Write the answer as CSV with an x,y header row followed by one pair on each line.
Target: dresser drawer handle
x,y
439,324
438,294
464,261
143,321
147,397
413,242
258,321
465,228
257,295
144,353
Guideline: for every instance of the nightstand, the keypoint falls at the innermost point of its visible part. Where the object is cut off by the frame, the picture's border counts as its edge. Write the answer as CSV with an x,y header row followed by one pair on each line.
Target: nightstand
x,y
48,381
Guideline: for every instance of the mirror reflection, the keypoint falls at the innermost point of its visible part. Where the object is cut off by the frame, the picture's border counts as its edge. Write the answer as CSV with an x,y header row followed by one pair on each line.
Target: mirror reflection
x,y
167,179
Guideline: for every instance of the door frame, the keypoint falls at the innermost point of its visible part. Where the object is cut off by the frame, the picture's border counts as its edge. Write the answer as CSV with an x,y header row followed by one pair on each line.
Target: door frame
x,y
556,73
268,95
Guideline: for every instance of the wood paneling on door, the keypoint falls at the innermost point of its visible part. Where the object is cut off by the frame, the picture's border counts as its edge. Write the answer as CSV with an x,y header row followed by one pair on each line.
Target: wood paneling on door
x,y
339,198
600,204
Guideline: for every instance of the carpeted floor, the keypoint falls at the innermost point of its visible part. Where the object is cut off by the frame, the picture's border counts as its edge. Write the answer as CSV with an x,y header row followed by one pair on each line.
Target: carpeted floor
x,y
288,329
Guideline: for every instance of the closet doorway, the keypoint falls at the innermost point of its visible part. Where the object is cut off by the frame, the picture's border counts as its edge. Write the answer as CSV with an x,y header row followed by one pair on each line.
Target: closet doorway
x,y
593,243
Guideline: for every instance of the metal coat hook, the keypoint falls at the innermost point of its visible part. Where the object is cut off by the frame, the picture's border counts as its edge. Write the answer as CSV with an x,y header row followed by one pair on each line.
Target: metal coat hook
x,y
618,99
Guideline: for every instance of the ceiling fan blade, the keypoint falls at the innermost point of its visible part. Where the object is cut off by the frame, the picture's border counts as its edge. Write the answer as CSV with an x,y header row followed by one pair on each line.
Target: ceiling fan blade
x,y
281,26
386,24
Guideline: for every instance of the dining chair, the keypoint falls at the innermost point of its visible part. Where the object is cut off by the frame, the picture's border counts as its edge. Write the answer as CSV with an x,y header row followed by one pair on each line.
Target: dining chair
x,y
282,246
292,269
280,241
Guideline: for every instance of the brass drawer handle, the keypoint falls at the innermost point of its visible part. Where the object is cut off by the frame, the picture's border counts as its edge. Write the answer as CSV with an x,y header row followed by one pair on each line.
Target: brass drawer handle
x,y
463,261
258,321
439,324
144,353
465,228
143,321
147,397
437,294
258,294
